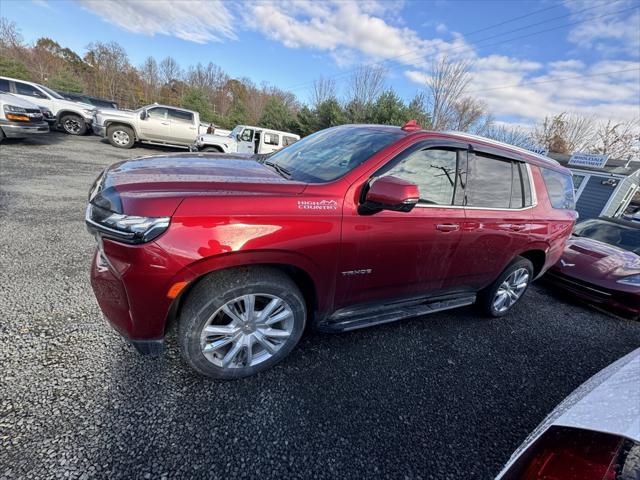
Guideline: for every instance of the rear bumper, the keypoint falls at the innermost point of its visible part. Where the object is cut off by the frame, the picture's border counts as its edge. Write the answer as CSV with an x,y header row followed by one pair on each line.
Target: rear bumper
x,y
616,301
23,129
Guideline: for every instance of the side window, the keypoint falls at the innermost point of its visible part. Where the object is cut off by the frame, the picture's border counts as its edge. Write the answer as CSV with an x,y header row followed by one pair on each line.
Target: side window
x,y
24,89
180,116
157,113
559,187
489,182
288,140
433,171
4,85
247,135
271,139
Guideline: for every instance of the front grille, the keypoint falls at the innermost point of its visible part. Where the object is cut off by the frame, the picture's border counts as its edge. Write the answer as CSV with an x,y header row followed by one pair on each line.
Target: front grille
x,y
580,285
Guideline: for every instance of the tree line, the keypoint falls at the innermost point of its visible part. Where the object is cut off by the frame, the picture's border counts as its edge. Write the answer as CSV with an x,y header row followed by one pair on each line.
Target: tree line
x,y
105,70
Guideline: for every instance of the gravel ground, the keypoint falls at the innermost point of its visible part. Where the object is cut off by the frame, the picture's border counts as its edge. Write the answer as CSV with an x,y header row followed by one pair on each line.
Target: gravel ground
x,y
450,395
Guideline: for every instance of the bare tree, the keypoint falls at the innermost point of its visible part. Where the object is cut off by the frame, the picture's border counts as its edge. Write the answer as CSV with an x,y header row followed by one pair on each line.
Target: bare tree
x,y
366,84
566,133
511,135
110,65
469,115
618,140
323,89
169,70
10,36
445,89
150,77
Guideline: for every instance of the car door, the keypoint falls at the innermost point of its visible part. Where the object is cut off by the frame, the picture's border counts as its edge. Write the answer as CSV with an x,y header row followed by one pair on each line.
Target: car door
x,y
183,126
245,141
402,254
156,126
32,94
497,201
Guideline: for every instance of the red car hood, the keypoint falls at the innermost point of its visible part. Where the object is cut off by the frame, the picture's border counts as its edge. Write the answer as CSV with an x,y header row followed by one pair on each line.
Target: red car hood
x,y
596,262
154,186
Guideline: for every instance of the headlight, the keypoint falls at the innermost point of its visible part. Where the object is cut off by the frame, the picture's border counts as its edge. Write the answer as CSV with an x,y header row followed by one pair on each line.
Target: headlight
x,y
633,280
127,228
14,109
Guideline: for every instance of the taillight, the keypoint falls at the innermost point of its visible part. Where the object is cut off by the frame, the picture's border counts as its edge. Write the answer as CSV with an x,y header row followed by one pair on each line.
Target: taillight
x,y
564,453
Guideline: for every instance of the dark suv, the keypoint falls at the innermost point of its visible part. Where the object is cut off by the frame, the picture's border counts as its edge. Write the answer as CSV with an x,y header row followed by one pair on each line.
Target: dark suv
x,y
349,227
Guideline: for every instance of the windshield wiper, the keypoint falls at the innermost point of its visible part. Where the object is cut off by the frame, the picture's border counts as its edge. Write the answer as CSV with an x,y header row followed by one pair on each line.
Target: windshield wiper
x,y
281,170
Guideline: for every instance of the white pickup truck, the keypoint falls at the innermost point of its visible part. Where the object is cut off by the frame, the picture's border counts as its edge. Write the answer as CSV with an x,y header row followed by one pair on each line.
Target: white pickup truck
x,y
75,118
245,139
155,124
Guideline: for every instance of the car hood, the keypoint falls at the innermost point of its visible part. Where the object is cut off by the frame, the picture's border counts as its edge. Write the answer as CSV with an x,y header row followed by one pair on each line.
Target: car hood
x,y
62,103
133,186
596,262
9,99
113,112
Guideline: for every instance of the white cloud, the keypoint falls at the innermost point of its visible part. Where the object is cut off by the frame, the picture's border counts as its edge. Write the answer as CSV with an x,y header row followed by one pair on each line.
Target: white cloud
x,y
611,28
196,21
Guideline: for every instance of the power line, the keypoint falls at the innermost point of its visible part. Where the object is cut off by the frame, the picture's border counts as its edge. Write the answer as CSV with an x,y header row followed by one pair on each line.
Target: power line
x,y
478,44
522,84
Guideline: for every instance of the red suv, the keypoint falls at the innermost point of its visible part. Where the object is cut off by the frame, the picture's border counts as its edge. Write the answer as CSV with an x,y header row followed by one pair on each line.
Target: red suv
x,y
349,227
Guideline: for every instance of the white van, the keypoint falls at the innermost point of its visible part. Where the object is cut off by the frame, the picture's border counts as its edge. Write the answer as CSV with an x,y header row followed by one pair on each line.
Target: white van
x,y
19,118
245,139
74,118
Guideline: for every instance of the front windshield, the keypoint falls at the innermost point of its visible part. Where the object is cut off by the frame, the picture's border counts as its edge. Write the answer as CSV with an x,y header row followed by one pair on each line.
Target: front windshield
x,y
329,154
51,92
621,236
236,131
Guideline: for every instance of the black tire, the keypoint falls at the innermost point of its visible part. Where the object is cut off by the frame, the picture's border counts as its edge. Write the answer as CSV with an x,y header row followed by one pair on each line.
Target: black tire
x,y
212,149
215,291
487,298
73,124
2,136
121,136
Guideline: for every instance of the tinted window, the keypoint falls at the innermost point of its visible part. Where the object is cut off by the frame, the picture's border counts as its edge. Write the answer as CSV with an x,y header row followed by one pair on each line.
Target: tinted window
x,y
157,112
271,139
622,236
329,154
489,182
24,89
433,171
559,187
4,85
180,116
288,140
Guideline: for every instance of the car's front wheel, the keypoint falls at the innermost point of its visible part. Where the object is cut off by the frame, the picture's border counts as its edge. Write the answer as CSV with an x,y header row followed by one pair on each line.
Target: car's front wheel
x,y
121,136
500,297
239,322
73,124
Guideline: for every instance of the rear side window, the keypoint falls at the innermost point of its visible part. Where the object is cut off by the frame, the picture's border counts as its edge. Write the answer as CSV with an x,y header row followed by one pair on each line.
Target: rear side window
x,y
180,116
288,140
489,182
4,85
560,188
271,139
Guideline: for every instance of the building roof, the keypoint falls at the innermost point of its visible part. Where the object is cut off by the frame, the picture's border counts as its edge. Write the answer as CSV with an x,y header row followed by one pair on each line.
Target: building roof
x,y
615,166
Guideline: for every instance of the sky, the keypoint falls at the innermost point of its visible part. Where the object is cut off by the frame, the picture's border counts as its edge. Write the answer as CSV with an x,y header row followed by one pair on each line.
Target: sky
x,y
530,58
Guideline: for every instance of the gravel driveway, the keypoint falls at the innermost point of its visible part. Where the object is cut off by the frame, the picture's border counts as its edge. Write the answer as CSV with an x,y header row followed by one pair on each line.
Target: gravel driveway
x,y
450,395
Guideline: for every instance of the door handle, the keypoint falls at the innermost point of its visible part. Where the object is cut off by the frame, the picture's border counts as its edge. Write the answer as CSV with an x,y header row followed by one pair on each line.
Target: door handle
x,y
447,227
517,227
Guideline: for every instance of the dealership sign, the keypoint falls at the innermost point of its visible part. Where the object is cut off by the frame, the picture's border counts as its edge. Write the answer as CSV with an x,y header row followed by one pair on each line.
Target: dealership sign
x,y
588,160
537,149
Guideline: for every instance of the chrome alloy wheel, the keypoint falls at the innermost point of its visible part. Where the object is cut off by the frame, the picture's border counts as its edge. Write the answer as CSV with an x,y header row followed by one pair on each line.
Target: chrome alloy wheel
x,y
71,125
120,137
510,291
246,331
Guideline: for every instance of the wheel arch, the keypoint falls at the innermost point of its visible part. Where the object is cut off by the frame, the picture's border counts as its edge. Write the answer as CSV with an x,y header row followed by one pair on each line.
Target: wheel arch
x,y
216,147
537,257
112,123
298,275
63,112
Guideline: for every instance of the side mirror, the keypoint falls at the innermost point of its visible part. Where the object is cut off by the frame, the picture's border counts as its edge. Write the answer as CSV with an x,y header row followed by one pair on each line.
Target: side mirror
x,y
143,115
390,193
237,136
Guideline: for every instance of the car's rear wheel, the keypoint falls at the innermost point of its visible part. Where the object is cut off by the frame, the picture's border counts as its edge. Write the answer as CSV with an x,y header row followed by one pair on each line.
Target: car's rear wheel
x,y
500,297
73,124
239,322
121,136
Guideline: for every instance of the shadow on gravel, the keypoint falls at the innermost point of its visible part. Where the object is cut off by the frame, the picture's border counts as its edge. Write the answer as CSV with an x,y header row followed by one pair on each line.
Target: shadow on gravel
x,y
50,138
